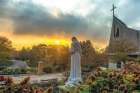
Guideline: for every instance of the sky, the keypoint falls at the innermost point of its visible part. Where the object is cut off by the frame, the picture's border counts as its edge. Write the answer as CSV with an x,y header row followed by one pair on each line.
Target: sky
x,y
29,22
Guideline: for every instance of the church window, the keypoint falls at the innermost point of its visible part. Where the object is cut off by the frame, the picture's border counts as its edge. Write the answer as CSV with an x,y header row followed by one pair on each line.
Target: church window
x,y
117,33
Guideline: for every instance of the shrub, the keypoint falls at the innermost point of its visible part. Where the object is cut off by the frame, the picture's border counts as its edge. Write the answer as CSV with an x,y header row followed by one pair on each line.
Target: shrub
x,y
10,71
5,63
2,67
31,70
22,87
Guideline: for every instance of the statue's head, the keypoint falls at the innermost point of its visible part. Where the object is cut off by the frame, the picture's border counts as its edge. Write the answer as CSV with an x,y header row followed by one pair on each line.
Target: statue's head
x,y
74,39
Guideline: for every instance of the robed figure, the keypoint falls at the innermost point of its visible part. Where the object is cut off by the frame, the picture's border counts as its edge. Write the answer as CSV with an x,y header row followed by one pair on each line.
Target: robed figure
x,y
75,70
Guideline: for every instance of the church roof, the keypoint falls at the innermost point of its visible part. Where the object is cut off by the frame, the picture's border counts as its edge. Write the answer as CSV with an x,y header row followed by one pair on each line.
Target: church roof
x,y
118,20
131,29
121,22
19,64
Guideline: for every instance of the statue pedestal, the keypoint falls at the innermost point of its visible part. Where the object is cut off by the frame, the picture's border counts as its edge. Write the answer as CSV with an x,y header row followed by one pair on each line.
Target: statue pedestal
x,y
74,89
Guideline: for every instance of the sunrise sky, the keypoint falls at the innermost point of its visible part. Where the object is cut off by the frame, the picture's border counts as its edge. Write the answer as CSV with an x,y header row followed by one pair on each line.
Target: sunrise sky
x,y
29,22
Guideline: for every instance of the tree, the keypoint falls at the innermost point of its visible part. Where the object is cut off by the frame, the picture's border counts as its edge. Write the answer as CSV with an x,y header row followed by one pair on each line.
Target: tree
x,y
90,57
38,53
100,59
120,49
88,52
5,48
58,56
122,46
62,57
24,54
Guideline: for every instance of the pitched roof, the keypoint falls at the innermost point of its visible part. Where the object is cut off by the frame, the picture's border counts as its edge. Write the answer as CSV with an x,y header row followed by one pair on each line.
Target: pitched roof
x,y
121,22
118,20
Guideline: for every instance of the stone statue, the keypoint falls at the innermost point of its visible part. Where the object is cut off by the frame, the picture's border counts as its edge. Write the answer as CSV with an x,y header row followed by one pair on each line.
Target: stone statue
x,y
75,70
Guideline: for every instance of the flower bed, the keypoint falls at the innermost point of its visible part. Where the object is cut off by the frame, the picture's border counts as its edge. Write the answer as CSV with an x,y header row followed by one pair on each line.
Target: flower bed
x,y
110,81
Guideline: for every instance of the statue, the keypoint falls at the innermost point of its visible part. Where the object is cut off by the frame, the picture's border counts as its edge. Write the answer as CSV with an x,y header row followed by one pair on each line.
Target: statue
x,y
75,70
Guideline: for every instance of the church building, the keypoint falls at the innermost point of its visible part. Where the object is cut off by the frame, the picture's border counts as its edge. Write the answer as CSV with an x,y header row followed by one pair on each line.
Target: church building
x,y
120,31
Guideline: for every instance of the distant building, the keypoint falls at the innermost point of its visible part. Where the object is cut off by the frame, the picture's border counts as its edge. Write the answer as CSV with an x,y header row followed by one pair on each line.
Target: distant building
x,y
19,64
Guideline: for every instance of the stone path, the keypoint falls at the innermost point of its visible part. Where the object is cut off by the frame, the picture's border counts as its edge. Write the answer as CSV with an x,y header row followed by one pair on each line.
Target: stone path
x,y
37,78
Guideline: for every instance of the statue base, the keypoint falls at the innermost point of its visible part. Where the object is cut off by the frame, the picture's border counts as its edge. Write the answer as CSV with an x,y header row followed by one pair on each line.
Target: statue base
x,y
74,89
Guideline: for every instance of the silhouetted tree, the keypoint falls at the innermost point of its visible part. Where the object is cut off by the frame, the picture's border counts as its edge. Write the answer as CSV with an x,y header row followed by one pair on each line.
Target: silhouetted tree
x,y
5,48
58,56
24,54
88,52
122,46
120,50
38,53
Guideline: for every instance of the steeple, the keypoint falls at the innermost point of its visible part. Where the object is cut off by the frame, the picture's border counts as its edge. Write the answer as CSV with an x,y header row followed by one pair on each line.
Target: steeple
x,y
113,23
113,9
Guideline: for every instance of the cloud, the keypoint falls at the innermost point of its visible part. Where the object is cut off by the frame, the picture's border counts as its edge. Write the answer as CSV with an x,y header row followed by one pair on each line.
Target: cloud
x,y
89,18
33,19
128,11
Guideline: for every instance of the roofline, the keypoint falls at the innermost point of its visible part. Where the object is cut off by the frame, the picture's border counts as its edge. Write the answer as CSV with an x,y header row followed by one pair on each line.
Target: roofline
x,y
115,18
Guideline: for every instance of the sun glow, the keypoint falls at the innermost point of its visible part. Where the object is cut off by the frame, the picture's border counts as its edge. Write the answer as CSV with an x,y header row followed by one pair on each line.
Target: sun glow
x,y
57,42
31,40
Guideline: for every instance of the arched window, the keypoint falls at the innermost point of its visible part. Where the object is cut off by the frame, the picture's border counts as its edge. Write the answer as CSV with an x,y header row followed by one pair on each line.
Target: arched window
x,y
117,33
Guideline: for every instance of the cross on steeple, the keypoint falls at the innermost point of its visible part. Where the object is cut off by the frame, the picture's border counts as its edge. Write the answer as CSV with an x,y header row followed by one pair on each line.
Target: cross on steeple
x,y
113,9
